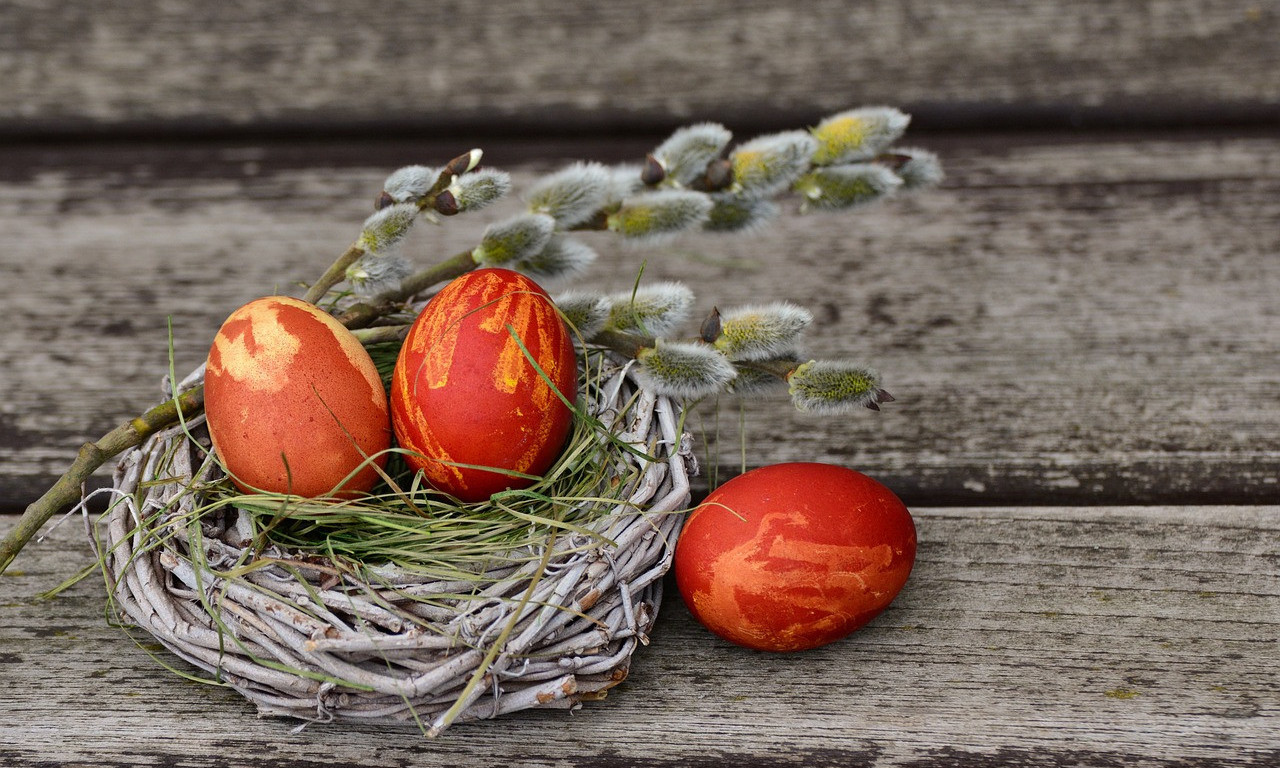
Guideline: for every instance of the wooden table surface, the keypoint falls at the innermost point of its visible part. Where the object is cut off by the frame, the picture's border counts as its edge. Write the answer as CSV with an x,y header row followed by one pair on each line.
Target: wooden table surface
x,y
1081,327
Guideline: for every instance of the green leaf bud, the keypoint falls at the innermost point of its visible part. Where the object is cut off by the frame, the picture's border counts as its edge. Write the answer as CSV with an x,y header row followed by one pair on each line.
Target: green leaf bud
x,y
684,370
516,239
858,134
410,183
477,190
585,311
571,195
834,387
655,215
655,309
761,332
921,170
769,164
734,213
376,273
562,256
386,227
844,186
685,155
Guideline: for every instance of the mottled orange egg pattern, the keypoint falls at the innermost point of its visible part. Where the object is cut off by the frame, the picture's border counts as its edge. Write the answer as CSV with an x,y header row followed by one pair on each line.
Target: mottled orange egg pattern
x,y
470,336
820,578
293,401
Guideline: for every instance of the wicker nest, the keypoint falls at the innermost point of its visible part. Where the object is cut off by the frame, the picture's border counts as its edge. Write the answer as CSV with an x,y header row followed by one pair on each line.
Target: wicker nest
x,y
303,640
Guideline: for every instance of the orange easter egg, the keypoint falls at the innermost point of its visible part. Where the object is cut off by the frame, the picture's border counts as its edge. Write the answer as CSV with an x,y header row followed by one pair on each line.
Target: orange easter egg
x,y
793,556
294,403
467,401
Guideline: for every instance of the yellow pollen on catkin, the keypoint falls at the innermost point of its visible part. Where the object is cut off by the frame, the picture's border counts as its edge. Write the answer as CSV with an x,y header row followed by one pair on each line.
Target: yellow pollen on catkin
x,y
839,136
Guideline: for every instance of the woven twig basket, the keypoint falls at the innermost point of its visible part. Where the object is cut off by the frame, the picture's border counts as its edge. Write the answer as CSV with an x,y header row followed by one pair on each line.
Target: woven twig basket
x,y
301,642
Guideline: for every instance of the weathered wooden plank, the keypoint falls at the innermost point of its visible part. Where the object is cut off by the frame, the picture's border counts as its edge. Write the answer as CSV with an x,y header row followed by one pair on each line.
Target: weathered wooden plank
x,y
1025,637
1075,320
162,65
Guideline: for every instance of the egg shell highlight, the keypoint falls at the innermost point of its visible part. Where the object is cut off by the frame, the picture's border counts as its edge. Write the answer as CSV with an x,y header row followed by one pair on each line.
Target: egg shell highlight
x,y
465,393
793,556
293,401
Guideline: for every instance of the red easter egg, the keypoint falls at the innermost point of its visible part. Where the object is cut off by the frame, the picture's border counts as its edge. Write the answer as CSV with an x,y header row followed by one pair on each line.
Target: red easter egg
x,y
293,402
793,556
464,394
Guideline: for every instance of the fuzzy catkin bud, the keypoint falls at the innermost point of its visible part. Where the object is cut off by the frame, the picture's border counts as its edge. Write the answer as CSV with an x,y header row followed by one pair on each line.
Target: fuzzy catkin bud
x,y
844,186
571,195
584,311
479,189
386,227
656,309
376,273
685,155
858,134
732,213
683,370
769,164
922,169
516,239
410,183
761,332
655,215
624,181
562,256
833,387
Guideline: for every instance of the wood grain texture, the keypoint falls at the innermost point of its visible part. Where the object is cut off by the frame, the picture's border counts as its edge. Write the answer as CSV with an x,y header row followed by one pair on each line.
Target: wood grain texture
x,y
1066,320
156,65
1141,637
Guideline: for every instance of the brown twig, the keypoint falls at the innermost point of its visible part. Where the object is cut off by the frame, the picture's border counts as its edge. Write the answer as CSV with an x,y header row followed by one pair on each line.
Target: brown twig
x,y
335,274
67,489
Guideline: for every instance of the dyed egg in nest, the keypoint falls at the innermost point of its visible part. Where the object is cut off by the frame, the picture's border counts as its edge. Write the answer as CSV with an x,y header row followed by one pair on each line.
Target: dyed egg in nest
x,y
794,556
294,403
480,393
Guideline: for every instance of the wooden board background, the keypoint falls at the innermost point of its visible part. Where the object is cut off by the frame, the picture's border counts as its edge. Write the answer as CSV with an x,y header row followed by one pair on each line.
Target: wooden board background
x,y
155,66
1083,318
1066,320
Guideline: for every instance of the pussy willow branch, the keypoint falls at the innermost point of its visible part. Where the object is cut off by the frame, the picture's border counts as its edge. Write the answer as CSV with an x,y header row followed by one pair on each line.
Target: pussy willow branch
x,y
361,315
632,344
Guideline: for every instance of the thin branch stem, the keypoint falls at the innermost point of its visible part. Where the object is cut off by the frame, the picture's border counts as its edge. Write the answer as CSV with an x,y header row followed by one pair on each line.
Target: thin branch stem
x,y
381,333
626,344
361,315
91,456
780,368
335,274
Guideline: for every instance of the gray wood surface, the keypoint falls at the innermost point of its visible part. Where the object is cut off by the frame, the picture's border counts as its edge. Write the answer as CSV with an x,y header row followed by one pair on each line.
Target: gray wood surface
x,y
160,65
1068,320
1024,637
1081,329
